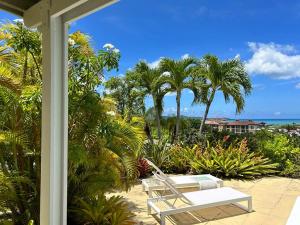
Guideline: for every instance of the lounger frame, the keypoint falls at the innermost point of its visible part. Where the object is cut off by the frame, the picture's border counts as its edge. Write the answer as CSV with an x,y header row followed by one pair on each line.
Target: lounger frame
x,y
294,218
173,210
191,206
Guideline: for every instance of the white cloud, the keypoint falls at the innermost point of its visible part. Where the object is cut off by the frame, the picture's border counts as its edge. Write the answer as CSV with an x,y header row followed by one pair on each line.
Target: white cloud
x,y
171,94
298,86
277,61
170,110
237,56
258,86
155,63
165,86
185,56
185,109
19,21
277,113
108,46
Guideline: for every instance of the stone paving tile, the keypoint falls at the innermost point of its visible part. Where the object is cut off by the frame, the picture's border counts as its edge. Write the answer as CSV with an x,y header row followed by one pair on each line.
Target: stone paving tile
x,y
273,199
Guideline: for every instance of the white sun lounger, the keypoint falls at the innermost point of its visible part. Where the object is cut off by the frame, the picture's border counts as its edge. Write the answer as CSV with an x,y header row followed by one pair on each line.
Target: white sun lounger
x,y
195,200
204,181
294,218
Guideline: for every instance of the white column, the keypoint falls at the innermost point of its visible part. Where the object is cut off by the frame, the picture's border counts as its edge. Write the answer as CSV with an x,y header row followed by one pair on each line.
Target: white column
x,y
53,208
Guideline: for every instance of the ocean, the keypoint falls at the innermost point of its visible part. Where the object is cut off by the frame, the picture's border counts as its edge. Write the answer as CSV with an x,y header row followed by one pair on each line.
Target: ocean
x,y
277,121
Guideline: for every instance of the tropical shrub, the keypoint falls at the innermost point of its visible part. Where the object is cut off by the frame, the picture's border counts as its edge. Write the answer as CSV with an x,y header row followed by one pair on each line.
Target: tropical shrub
x,y
280,149
143,168
179,159
102,210
234,161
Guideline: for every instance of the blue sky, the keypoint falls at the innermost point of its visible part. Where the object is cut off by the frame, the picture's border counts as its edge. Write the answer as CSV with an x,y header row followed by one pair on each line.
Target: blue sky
x,y
264,34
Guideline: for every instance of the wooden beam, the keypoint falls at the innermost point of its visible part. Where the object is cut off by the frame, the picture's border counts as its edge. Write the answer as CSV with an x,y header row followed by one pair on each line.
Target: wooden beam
x,y
86,8
18,4
59,7
68,9
11,9
33,15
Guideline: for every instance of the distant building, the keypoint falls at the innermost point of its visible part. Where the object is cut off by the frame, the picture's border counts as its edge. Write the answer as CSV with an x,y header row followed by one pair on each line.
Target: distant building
x,y
237,126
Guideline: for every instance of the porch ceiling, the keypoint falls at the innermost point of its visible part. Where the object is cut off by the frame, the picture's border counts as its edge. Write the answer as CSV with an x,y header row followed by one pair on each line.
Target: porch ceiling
x,y
17,7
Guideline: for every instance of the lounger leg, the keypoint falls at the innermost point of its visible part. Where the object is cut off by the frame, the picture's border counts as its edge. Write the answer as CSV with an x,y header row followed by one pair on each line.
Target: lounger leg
x,y
150,193
149,208
250,205
162,219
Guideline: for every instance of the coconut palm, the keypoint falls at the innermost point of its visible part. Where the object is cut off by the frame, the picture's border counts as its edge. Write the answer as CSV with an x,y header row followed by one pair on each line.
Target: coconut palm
x,y
147,78
176,76
228,77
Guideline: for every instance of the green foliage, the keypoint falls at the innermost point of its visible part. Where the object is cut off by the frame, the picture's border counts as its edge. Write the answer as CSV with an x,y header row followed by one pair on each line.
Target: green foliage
x,y
130,101
147,78
26,43
102,210
176,75
280,149
103,148
179,159
228,77
158,152
234,161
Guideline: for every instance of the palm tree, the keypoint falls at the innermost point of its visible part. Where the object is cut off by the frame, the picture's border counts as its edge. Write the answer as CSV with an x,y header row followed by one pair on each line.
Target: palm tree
x,y
177,76
228,77
148,81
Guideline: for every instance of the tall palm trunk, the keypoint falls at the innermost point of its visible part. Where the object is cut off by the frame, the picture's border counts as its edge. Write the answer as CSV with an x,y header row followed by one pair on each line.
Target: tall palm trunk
x,y
211,98
157,119
147,130
25,66
178,97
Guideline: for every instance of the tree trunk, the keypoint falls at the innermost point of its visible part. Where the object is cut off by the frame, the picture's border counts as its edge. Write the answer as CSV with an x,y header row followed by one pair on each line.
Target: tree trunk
x,y
204,118
36,64
211,98
178,97
147,130
25,66
157,119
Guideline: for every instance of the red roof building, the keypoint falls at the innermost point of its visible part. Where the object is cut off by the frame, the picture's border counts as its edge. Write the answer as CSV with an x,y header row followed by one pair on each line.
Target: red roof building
x,y
237,126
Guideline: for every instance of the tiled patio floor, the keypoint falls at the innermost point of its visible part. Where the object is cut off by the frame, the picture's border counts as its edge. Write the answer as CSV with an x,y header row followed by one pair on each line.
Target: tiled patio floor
x,y
273,199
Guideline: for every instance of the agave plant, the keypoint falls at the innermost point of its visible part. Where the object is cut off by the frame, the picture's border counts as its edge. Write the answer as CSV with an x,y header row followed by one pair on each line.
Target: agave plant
x,y
158,152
